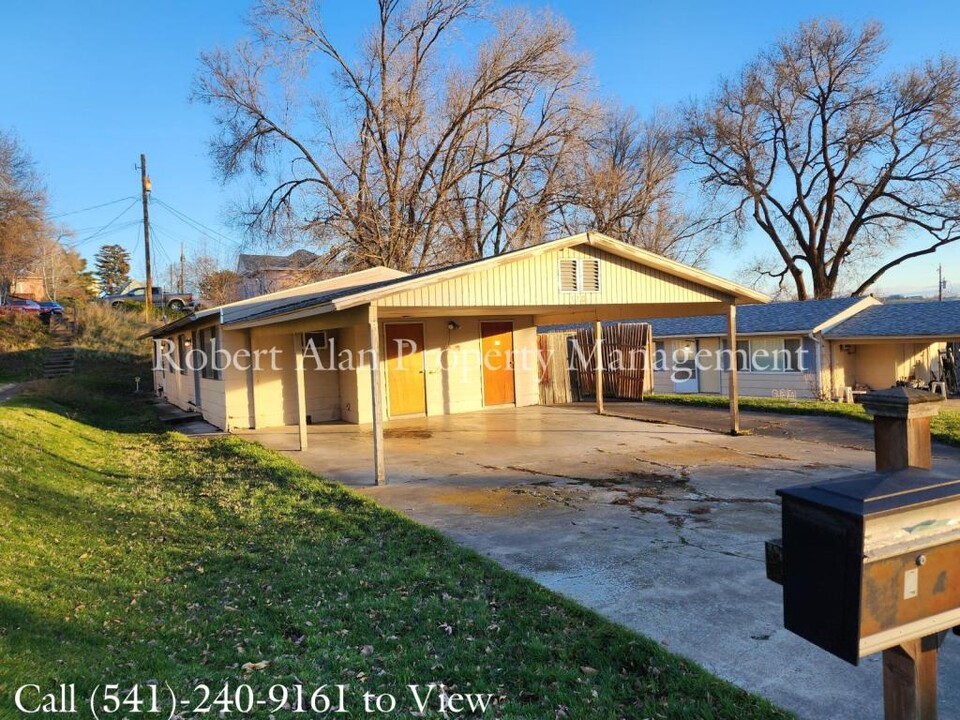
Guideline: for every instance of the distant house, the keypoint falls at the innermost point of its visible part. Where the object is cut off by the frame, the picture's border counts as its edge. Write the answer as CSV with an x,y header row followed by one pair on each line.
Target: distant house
x,y
781,349
262,274
891,342
30,287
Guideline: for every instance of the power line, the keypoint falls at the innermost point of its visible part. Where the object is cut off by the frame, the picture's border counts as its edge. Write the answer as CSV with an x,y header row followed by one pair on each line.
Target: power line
x,y
100,232
195,224
92,207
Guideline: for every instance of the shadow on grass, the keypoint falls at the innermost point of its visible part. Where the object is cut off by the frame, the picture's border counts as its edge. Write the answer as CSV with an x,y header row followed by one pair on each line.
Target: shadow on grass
x,y
22,365
101,392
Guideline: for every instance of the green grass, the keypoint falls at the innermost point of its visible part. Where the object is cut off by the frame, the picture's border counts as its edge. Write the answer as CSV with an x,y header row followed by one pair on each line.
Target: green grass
x,y
23,345
944,428
130,554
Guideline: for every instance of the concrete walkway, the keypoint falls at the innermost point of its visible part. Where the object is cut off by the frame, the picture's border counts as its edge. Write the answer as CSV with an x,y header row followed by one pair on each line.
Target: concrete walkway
x,y
655,526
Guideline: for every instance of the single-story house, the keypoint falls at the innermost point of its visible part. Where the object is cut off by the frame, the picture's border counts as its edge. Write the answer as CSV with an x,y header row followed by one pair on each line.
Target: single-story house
x,y
781,350
456,339
889,343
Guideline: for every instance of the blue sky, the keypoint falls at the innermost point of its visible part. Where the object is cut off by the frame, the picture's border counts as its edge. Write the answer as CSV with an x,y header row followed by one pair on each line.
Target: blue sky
x,y
89,86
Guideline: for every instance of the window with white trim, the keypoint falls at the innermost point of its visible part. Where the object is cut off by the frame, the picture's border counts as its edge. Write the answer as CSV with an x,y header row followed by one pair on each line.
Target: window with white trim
x,y
579,275
770,355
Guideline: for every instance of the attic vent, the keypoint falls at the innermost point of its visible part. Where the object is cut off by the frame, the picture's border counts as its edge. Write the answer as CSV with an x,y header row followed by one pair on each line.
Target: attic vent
x,y
590,275
579,275
568,275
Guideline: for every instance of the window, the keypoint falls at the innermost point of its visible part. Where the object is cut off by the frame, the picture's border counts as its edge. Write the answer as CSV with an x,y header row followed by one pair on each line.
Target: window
x,y
182,354
313,341
770,355
208,341
579,275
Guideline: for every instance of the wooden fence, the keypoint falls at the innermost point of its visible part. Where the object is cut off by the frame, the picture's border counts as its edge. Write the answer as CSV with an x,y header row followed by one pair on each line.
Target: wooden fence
x,y
567,367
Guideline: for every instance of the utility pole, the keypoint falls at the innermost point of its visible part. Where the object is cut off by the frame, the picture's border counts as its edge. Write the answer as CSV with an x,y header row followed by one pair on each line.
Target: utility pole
x,y
941,283
145,189
181,287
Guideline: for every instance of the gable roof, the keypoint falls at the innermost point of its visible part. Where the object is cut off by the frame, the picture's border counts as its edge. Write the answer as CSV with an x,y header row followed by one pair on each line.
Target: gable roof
x,y
318,298
801,316
903,319
296,260
341,300
330,286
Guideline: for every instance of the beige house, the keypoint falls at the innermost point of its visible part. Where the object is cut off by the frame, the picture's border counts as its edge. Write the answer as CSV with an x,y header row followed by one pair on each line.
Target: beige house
x,y
380,344
890,343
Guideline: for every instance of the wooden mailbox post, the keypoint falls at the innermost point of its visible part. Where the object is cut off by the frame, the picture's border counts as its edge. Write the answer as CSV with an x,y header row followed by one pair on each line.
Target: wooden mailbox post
x,y
871,563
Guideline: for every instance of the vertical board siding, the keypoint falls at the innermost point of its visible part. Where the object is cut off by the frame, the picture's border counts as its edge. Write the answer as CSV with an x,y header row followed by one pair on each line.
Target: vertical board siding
x,y
535,281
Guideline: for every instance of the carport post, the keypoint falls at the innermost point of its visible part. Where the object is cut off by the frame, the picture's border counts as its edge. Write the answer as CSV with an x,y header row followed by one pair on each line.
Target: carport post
x,y
376,392
301,390
732,390
598,363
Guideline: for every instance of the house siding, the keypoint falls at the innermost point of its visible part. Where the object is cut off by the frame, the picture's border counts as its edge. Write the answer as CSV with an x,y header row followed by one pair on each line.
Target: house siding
x,y
534,281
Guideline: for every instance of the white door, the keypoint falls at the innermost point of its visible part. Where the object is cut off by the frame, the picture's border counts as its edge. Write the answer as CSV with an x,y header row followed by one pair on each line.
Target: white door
x,y
684,362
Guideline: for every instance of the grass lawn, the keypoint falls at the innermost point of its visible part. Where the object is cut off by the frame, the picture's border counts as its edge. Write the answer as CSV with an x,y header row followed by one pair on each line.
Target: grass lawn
x,y
130,554
945,427
23,346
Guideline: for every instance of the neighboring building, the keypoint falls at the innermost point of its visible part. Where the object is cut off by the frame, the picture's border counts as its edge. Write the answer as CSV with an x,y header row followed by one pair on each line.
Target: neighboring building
x,y
892,342
30,287
262,274
781,349
450,320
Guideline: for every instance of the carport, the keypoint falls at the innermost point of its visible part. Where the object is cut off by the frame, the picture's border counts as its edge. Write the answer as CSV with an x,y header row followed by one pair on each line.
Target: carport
x,y
453,340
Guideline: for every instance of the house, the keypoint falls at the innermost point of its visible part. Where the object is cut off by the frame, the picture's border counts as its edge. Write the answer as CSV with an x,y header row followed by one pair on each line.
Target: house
x,y
892,342
30,287
781,350
458,339
261,274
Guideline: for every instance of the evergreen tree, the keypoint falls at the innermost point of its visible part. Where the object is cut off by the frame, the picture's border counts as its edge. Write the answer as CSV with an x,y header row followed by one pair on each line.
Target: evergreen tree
x,y
112,268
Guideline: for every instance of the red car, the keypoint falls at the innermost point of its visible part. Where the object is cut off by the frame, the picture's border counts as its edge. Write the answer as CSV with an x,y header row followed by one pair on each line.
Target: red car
x,y
20,305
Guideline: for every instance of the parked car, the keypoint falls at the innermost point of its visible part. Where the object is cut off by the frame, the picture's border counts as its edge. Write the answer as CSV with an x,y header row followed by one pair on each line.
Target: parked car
x,y
51,308
20,305
174,301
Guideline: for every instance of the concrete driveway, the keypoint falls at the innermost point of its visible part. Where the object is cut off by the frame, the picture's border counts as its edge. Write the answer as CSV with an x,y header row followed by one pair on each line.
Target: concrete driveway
x,y
655,526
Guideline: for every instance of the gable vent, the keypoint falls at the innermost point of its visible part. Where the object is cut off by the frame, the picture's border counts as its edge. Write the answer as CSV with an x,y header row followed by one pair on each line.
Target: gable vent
x,y
579,275
568,275
590,275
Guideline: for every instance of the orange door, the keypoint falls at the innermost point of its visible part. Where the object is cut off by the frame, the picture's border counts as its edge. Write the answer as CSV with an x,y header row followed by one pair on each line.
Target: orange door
x,y
496,341
405,376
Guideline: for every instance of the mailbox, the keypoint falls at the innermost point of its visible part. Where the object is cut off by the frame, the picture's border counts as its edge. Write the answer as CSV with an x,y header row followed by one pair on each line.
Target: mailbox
x,y
871,560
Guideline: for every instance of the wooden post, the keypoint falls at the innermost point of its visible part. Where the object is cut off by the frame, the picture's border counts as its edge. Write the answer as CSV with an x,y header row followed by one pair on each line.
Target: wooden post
x,y
732,389
901,426
901,430
598,363
251,381
910,679
376,391
301,390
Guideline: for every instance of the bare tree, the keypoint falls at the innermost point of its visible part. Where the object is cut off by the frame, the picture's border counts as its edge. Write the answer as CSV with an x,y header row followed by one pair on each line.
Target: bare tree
x,y
835,164
377,180
622,180
22,212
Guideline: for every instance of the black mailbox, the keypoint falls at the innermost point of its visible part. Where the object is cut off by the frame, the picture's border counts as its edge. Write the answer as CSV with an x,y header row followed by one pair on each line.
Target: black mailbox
x,y
872,560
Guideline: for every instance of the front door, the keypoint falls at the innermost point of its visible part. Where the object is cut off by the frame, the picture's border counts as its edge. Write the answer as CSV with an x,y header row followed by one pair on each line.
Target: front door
x,y
405,376
684,358
496,341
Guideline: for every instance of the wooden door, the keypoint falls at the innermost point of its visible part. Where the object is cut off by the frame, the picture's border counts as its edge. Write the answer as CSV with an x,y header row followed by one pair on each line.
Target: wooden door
x,y
405,369
496,344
